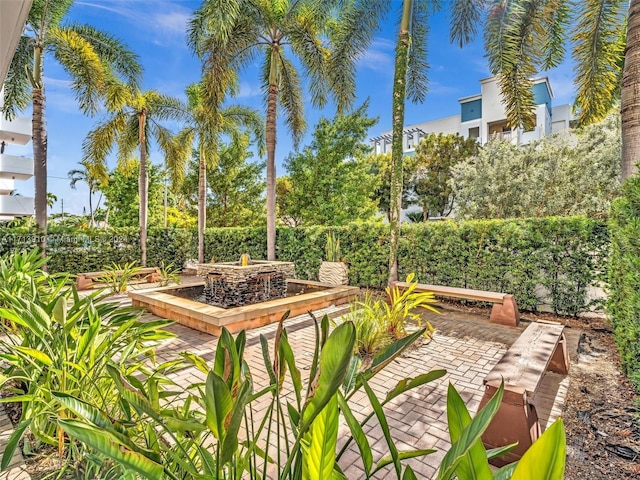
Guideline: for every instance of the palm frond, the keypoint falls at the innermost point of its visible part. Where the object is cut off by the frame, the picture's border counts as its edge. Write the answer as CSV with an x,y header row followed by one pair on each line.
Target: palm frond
x,y
418,65
173,152
512,56
248,118
164,107
350,36
128,139
110,50
598,49
99,142
555,18
46,13
465,19
290,97
81,61
17,88
213,18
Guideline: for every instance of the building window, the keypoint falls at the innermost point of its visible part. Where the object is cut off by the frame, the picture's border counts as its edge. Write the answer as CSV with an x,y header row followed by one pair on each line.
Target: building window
x,y
474,132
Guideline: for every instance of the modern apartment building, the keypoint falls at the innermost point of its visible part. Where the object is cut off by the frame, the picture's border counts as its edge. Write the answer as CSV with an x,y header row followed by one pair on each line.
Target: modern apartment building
x,y
483,116
13,15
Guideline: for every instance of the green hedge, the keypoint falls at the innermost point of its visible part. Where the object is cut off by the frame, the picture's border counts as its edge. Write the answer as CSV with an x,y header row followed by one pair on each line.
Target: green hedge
x,y
624,277
561,255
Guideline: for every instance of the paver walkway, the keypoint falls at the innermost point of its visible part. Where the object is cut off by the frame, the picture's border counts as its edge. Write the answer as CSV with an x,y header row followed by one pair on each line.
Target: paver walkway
x,y
465,345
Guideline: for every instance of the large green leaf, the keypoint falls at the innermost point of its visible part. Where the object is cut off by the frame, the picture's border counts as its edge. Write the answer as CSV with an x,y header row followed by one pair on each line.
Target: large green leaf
x,y
334,361
219,403
384,425
545,459
36,354
108,445
474,465
357,433
388,460
287,359
469,436
230,441
407,384
319,443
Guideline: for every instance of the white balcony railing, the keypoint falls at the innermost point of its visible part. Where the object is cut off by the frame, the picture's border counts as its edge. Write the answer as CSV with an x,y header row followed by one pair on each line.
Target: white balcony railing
x,y
16,205
15,168
16,131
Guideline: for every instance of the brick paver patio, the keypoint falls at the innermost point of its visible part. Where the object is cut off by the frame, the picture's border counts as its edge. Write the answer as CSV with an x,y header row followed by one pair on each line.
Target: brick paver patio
x,y
465,345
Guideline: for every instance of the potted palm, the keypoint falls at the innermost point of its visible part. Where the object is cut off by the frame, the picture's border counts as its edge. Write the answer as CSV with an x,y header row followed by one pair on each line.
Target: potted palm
x,y
333,270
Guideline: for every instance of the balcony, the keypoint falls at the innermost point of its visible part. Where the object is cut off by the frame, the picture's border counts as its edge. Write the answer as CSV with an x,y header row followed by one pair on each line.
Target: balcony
x,y
16,205
15,168
16,131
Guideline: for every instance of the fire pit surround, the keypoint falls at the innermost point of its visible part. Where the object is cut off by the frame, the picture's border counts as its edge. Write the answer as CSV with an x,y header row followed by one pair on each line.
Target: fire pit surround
x,y
230,284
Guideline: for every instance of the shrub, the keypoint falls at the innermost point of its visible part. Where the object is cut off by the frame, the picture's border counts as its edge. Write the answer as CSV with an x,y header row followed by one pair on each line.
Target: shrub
x,y
624,277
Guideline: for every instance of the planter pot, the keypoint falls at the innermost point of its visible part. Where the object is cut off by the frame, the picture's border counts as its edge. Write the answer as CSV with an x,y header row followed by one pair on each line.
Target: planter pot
x,y
334,273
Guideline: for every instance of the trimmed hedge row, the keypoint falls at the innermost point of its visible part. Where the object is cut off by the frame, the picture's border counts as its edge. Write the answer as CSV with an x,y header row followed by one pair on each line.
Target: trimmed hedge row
x,y
552,260
624,277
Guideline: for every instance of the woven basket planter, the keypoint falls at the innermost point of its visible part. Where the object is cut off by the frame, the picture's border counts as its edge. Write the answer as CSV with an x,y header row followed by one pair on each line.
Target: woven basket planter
x,y
334,273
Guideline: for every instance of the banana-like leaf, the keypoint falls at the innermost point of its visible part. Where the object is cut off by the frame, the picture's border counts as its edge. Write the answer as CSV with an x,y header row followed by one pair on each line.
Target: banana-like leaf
x,y
230,442
334,361
469,436
506,472
227,364
474,465
267,360
108,445
88,412
384,425
357,433
545,459
385,356
498,452
319,443
287,359
60,310
37,355
219,403
407,384
12,443
352,374
387,460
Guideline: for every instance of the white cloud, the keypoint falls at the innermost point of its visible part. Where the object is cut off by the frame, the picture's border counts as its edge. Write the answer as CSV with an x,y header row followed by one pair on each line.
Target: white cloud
x,y
248,91
379,57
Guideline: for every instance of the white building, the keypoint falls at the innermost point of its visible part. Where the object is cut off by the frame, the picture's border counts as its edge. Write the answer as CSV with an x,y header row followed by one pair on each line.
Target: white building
x,y
13,15
483,116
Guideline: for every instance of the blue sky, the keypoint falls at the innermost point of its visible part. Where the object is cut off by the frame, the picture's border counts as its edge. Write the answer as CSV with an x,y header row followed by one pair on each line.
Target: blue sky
x,y
155,30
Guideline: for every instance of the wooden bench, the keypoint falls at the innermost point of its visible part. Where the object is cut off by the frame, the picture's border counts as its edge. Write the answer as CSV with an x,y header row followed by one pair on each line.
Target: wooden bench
x,y
85,281
505,310
541,347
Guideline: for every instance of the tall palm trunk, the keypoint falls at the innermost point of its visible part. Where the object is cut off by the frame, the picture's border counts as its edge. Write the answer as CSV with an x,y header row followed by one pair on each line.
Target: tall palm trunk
x,y
39,131
270,137
399,95
93,221
143,183
202,201
630,103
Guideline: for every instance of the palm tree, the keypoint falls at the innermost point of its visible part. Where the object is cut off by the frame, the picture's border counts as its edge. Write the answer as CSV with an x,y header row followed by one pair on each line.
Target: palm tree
x,y
133,123
94,176
204,127
91,58
230,34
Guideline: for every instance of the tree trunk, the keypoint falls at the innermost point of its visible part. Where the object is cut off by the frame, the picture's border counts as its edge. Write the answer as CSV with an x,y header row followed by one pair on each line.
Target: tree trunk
x,y
271,171
143,184
202,202
39,133
399,94
93,222
630,102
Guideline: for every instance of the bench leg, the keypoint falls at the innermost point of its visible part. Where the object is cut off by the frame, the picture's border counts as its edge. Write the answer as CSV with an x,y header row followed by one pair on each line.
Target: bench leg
x,y
559,362
506,313
83,283
515,421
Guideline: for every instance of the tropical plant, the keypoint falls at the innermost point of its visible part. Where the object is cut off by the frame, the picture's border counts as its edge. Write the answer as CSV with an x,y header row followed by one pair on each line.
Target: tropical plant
x,y
230,35
226,439
92,58
205,125
65,347
367,316
133,122
169,274
95,176
116,277
332,248
402,305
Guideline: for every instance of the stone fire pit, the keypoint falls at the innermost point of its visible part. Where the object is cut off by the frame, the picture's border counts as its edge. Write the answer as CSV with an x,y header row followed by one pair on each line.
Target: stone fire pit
x,y
229,284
